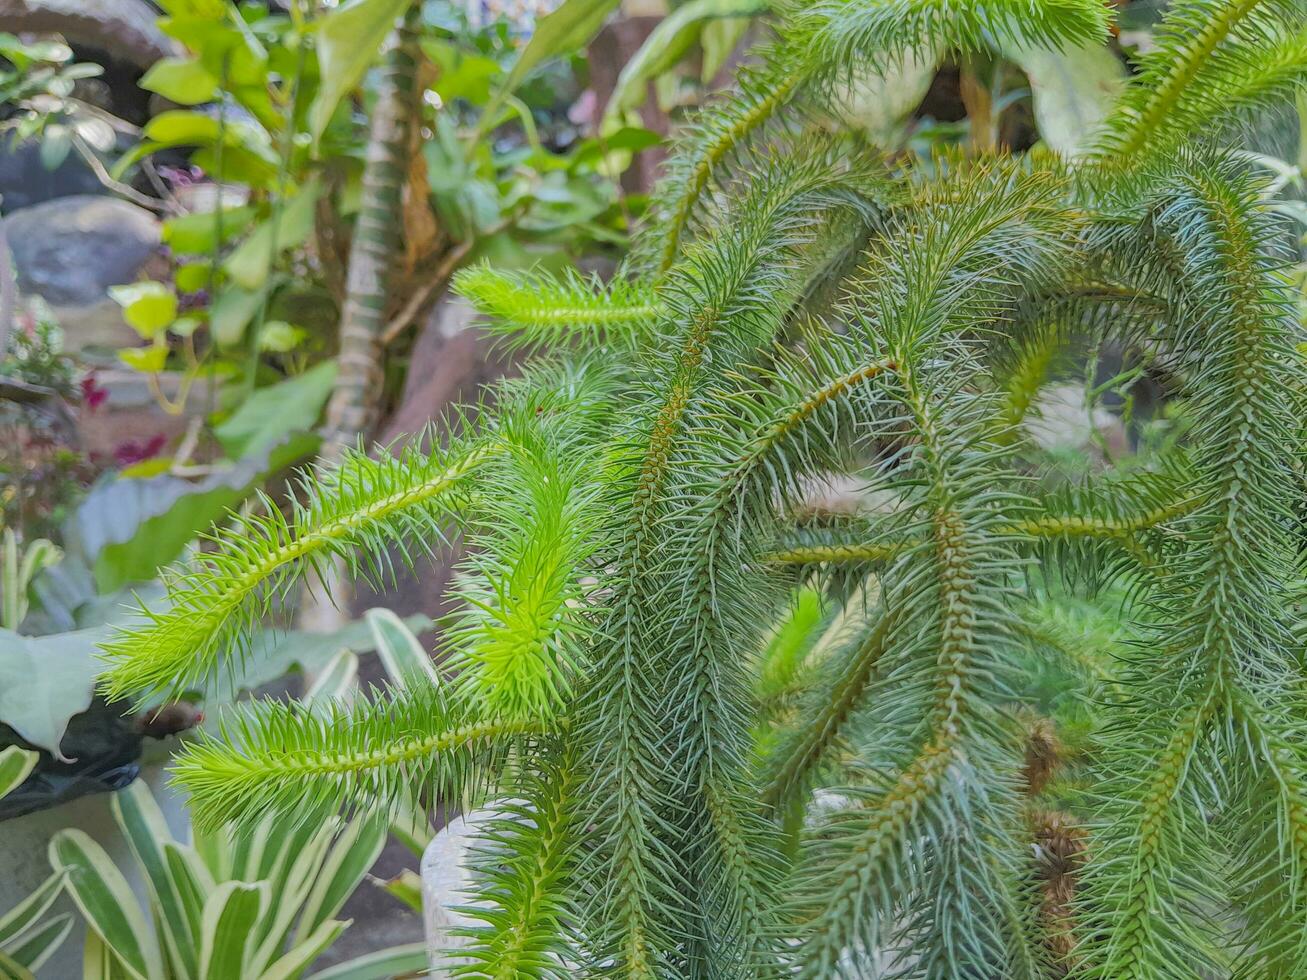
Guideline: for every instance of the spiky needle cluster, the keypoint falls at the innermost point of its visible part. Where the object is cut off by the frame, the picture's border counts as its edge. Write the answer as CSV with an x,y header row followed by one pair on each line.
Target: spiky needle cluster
x,y
700,777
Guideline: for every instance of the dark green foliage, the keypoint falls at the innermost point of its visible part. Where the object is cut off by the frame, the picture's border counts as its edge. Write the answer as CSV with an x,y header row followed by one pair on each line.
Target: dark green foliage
x,y
1013,725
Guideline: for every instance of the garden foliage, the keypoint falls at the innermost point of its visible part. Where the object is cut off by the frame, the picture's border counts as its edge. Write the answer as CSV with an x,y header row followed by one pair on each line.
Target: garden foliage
x,y
700,792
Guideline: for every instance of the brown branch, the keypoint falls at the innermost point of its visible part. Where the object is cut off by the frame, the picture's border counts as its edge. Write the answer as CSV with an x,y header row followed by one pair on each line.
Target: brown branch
x,y
439,279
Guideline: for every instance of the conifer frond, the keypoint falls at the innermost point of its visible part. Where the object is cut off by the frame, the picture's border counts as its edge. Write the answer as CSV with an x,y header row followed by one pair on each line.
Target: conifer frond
x,y
836,35
521,865
534,310
685,791
1228,631
718,135
1211,59
217,599
519,638
724,296
272,756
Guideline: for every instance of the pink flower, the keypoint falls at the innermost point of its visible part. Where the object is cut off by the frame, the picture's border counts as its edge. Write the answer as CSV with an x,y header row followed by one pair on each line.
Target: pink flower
x,y
93,396
132,452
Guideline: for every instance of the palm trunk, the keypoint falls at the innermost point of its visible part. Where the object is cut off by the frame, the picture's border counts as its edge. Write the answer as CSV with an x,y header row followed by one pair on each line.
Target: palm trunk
x,y
377,244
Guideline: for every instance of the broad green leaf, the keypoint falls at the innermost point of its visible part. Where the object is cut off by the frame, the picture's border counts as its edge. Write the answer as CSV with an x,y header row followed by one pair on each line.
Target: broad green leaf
x,y
1072,91
180,127
271,413
233,309
147,360
299,957
15,766
142,823
354,852
349,38
39,945
191,278
148,307
197,234
556,34
463,75
401,653
667,44
249,264
337,681
129,528
280,337
45,680
25,914
381,965
102,895
182,80
230,915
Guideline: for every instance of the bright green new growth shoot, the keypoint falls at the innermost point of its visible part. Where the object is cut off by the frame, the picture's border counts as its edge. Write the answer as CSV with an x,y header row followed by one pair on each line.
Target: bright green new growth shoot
x,y
985,720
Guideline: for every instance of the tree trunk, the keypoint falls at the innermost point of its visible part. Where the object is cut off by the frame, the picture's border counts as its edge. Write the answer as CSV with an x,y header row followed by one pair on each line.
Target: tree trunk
x,y
374,252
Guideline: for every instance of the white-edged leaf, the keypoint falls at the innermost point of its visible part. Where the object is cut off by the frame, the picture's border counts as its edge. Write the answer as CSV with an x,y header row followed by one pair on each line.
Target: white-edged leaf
x,y
226,933
97,962
24,915
338,680
354,852
381,965
401,653
214,849
878,98
147,833
106,902
298,958
1072,91
16,765
39,945
191,879
11,969
292,891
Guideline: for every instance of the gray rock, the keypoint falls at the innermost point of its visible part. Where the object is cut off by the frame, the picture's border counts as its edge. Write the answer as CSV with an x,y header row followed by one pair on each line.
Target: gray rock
x,y
69,252
124,29
25,181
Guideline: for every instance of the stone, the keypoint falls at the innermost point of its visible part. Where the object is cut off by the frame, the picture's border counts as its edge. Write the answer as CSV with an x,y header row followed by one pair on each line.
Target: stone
x,y
445,880
126,30
69,251
25,180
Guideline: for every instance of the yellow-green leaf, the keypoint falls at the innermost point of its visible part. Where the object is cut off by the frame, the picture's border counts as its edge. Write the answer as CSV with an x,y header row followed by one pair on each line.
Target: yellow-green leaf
x,y
183,80
148,307
150,360
249,264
